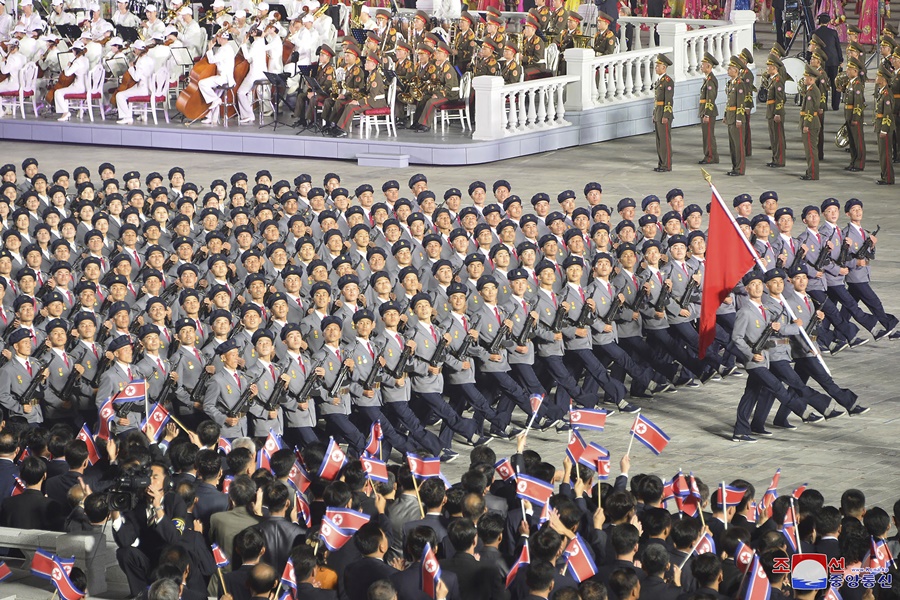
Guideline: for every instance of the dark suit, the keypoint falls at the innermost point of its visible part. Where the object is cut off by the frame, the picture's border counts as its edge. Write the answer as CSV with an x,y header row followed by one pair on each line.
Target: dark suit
x,y
706,592
57,488
605,571
281,536
491,556
477,581
236,583
209,501
308,592
32,510
436,522
654,588
834,59
57,466
361,574
731,578
8,472
408,584
830,547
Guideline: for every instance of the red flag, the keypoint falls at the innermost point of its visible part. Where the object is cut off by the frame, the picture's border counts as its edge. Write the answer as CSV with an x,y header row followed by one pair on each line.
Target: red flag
x,y
593,454
533,489
298,477
347,519
4,571
106,414
262,460
224,445
42,564
579,559
287,576
799,491
303,509
219,556
649,434
374,468
373,445
158,418
333,463
85,436
504,469
536,400
588,418
603,467
18,487
226,483
724,267
524,559
431,571
333,536
576,446
758,587
707,544
743,556
423,468
733,495
878,557
60,577
273,443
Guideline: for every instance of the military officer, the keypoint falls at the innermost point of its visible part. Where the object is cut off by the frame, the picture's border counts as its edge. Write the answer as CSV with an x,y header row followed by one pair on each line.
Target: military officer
x,y
854,107
810,123
735,116
775,110
709,92
884,126
113,382
663,113
605,40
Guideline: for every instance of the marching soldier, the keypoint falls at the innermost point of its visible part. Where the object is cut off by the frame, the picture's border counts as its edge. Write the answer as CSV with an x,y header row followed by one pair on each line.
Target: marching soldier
x,y
188,402
775,110
16,377
663,113
113,382
884,126
854,105
810,123
735,116
263,415
223,398
512,72
709,91
605,41
533,51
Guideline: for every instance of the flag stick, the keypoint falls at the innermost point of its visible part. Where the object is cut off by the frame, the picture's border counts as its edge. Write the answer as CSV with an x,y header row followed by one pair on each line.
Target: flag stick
x,y
796,524
316,548
179,423
693,549
278,591
787,307
530,422
55,595
222,580
521,500
724,506
631,441
702,518
418,498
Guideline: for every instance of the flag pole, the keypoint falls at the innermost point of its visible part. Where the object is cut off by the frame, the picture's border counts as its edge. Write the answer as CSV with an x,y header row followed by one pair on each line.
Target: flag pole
x,y
631,441
759,263
796,524
222,580
693,549
278,590
724,507
418,498
179,423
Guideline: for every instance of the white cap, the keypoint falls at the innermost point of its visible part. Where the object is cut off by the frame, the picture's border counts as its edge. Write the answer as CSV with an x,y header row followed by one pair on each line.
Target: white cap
x,y
150,8
138,45
19,29
116,41
78,45
186,10
365,9
219,4
25,3
159,36
307,18
240,14
94,7
56,3
262,6
178,2
171,30
13,42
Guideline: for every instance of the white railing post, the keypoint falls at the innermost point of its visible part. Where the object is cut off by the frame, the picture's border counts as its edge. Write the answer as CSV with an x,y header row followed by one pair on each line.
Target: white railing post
x,y
744,36
488,108
580,94
672,34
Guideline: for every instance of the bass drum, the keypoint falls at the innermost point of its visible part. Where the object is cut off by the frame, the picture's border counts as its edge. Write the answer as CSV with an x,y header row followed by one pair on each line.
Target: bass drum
x,y
794,68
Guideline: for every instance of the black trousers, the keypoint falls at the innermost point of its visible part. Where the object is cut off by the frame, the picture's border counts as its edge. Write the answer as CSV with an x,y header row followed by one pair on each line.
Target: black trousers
x,y
427,402
809,366
400,412
850,307
756,402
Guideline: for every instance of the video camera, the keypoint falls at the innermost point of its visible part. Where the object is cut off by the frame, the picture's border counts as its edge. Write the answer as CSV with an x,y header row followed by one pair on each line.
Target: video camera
x,y
128,489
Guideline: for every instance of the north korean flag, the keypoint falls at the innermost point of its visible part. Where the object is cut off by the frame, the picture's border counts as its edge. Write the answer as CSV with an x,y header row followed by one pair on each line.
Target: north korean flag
x,y
733,495
536,400
789,529
579,559
373,445
42,564
273,443
85,436
533,489
592,454
374,468
303,511
832,594
288,579
333,536
743,556
668,490
135,391
878,556
226,483
219,556
158,418
347,519
707,544
649,434
422,467
588,418
545,514
797,492
64,585
5,572
298,477
758,586
504,469
18,487
105,415
224,445
335,459
524,559
764,508
431,572
690,504
575,446
263,460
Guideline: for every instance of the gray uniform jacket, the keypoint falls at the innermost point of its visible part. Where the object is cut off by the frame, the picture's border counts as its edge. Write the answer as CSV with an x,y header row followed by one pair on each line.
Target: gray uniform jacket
x,y
299,368
112,381
223,393
331,362
14,380
748,328
518,314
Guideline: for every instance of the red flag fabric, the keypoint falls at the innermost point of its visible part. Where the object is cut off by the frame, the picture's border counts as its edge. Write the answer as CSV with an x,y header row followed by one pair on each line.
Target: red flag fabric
x,y
287,576
579,561
60,577
431,571
219,556
335,459
333,536
373,445
422,467
5,572
504,469
158,418
374,468
18,487
758,587
106,413
298,477
346,518
273,443
743,556
588,418
85,436
224,445
576,446
724,267
524,559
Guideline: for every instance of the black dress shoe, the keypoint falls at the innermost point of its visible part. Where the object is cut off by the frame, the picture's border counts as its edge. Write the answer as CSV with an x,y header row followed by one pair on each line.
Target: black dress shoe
x,y
338,133
855,170
734,174
423,129
703,162
806,178
883,182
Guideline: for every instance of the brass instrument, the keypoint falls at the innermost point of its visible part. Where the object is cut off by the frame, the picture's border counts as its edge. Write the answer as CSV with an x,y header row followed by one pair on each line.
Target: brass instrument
x,y
323,9
171,15
842,138
583,41
355,12
519,39
841,81
451,33
479,31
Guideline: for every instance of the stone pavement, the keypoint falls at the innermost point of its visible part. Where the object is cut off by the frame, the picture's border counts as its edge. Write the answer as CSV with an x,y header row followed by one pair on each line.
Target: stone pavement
x,y
849,452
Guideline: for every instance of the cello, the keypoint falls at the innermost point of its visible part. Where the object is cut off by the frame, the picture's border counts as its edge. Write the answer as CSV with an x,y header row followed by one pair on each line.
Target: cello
x,y
127,82
190,101
64,80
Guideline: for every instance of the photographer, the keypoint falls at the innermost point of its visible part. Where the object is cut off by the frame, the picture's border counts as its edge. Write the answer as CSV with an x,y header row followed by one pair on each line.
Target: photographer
x,y
146,517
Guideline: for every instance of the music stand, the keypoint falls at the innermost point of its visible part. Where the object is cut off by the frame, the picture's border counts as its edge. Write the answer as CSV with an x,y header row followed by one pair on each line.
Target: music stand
x,y
128,34
279,83
64,58
182,56
317,90
359,35
72,32
117,67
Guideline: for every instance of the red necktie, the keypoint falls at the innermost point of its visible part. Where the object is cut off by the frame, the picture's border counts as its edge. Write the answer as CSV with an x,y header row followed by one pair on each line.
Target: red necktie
x,y
634,279
818,238
197,354
160,365
338,353
302,366
659,274
465,323
69,296
684,268
199,328
28,366
525,306
131,289
2,314
581,291
66,359
497,314
399,340
137,258
94,348
609,288
792,244
433,334
369,348
763,310
553,295
806,299
238,379
130,378
272,371
33,337
863,234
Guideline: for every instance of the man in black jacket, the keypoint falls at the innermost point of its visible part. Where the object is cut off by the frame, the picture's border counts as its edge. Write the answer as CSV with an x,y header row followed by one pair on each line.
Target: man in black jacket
x,y
57,488
832,51
280,534
655,562
477,581
31,509
372,543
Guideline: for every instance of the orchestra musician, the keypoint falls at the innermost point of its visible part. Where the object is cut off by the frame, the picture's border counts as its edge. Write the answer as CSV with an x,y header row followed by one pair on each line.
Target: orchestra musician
x,y
567,38
141,69
274,49
305,109
240,26
28,18
486,62
223,58
58,16
153,24
465,46
558,19
12,65
78,67
264,18
352,86
444,86
533,50
417,31
191,35
101,29
494,23
384,27
512,72
6,23
124,17
255,53
543,15
605,40
49,62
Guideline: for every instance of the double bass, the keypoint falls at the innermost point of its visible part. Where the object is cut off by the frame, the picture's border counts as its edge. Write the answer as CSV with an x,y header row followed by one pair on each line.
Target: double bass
x,y
127,82
64,80
190,101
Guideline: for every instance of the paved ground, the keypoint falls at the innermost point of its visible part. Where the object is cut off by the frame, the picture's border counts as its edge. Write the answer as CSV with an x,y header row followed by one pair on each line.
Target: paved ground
x,y
856,452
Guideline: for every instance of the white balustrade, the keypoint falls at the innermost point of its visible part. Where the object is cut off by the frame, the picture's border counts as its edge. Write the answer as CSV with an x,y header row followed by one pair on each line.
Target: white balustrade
x,y
651,23
689,46
504,110
621,77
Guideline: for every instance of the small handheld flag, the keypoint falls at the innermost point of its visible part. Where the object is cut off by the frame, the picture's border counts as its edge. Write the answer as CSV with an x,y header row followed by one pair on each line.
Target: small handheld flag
x,y
524,559
431,571
576,446
273,443
743,556
158,418
346,518
533,489
504,469
219,556
85,436
5,571
298,477
135,391
592,454
579,560
758,586
649,434
288,579
60,577
423,468
373,445
335,459
333,536
374,468
224,445
707,544
588,418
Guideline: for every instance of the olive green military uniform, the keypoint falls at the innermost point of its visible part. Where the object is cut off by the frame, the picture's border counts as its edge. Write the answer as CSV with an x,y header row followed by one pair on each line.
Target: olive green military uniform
x,y
809,126
709,91
775,98
747,77
663,113
854,107
533,57
735,119
884,128
605,43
